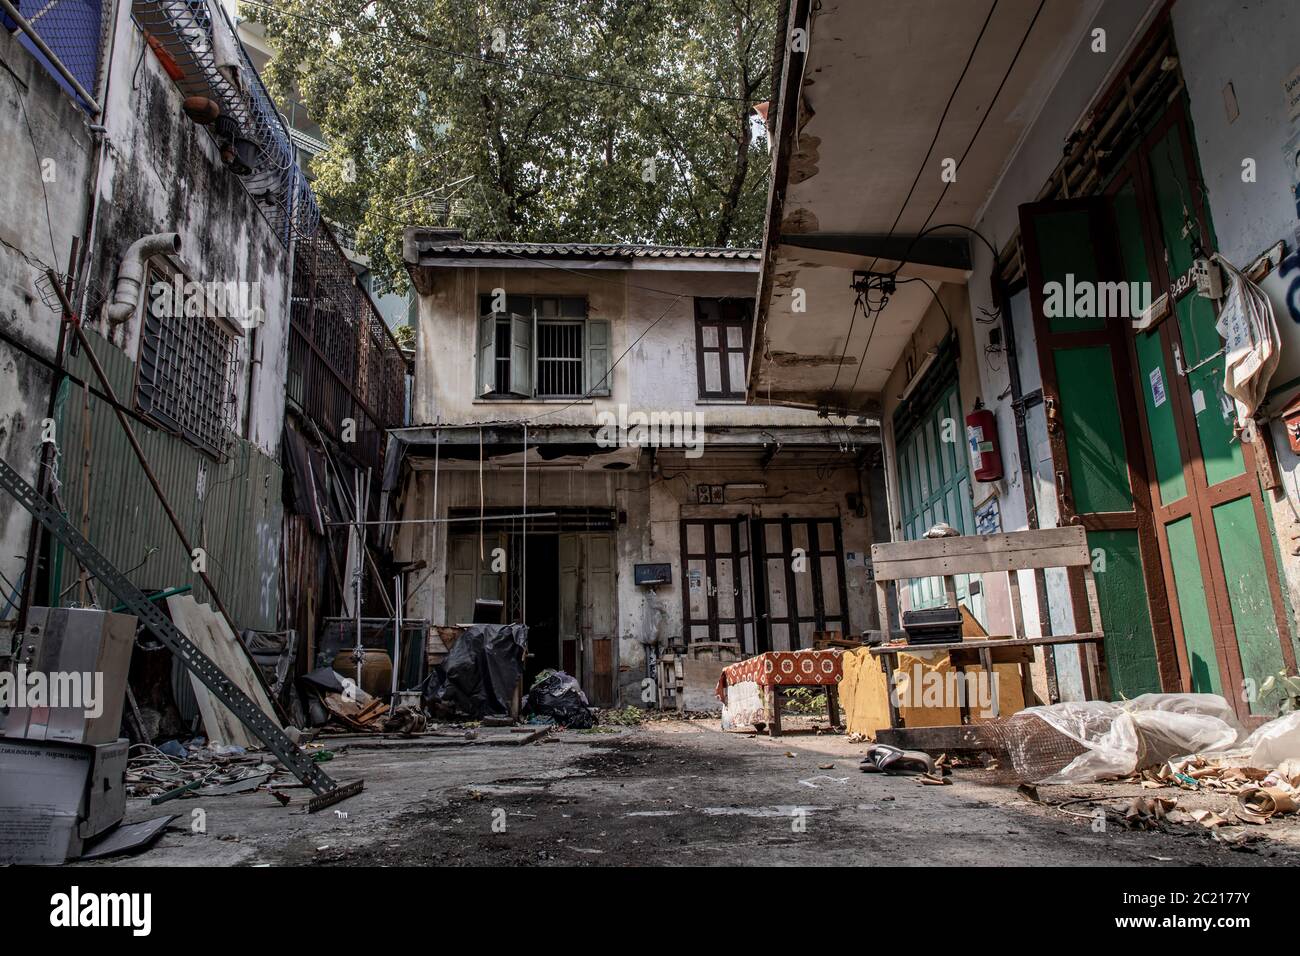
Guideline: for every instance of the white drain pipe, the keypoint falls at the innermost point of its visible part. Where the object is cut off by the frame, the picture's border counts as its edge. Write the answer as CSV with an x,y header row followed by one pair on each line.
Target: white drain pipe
x,y
130,273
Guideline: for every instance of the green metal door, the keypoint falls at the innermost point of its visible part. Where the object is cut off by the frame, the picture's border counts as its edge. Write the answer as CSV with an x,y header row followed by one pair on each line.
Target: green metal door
x,y
1096,447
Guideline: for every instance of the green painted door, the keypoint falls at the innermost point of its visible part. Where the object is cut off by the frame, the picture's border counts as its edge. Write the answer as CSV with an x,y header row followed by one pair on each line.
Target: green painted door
x,y
1096,446
1220,570
934,487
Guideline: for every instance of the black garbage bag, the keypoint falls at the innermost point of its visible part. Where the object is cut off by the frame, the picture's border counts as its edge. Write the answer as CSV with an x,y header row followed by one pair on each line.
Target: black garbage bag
x,y
558,697
479,676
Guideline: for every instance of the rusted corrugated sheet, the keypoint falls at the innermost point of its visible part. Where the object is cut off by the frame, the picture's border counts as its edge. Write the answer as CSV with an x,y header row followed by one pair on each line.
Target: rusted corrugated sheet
x,y
232,509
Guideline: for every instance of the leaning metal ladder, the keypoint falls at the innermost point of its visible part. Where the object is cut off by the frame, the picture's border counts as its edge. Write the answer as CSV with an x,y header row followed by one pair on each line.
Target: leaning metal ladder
x,y
302,766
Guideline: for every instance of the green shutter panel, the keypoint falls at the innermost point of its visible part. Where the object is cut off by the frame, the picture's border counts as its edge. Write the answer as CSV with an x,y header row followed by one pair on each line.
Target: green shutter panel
x,y
597,363
485,381
521,354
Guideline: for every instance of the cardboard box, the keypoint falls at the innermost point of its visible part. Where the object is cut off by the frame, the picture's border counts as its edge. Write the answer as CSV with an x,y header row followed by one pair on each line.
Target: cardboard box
x,y
69,642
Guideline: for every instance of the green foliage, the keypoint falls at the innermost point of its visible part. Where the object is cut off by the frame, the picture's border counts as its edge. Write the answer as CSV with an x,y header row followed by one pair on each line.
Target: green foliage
x,y
627,717
804,700
542,120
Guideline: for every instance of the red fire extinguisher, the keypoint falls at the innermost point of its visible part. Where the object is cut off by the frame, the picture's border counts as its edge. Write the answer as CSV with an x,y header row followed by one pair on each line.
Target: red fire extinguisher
x,y
982,437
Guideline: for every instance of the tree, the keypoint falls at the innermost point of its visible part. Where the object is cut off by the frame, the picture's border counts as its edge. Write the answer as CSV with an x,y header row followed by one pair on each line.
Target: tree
x,y
532,120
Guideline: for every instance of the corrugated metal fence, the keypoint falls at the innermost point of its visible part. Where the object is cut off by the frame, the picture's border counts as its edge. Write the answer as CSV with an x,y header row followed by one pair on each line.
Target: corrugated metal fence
x,y
232,509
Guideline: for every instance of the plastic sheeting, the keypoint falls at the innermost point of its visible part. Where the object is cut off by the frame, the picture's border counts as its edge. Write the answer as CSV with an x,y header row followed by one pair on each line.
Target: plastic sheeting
x,y
480,674
1122,738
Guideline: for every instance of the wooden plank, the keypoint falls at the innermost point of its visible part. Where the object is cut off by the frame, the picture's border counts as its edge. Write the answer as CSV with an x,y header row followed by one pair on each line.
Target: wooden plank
x,y
208,631
894,649
969,657
979,563
954,739
1037,539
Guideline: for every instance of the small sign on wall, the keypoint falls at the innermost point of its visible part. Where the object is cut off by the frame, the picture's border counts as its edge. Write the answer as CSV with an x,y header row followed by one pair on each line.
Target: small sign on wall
x,y
710,494
988,516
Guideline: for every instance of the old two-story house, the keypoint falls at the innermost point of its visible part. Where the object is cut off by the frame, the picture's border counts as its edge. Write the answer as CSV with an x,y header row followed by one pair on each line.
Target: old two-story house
x,y
585,455
1124,155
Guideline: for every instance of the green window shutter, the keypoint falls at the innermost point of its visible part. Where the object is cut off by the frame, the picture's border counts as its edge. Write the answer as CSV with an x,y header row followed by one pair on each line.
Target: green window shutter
x,y
597,359
485,382
521,354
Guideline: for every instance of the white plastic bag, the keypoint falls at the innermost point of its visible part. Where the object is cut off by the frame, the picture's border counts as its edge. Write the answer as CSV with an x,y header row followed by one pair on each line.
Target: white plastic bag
x,y
1122,738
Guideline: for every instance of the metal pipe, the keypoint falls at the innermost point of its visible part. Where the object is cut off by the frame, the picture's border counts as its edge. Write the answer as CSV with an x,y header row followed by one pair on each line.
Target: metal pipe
x,y
436,521
397,639
130,273
49,54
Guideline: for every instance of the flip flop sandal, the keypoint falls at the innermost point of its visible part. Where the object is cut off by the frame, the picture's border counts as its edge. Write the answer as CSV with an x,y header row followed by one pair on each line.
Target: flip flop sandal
x,y
882,758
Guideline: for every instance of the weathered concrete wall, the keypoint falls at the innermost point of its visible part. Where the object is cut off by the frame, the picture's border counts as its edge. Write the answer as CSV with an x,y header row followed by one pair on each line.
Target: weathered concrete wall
x,y
46,153
658,374
163,173
160,173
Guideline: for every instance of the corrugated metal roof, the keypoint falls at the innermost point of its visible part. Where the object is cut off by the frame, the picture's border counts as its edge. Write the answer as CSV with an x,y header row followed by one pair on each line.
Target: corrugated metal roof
x,y
436,246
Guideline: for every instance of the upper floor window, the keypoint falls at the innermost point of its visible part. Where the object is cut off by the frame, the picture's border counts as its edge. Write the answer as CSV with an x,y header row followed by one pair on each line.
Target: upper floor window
x,y
722,331
541,347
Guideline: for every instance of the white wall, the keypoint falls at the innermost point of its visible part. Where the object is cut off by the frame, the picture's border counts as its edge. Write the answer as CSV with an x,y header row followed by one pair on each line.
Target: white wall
x,y
659,373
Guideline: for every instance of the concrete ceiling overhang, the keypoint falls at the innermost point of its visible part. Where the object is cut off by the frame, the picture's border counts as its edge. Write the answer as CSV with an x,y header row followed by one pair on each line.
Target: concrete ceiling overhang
x,y
856,119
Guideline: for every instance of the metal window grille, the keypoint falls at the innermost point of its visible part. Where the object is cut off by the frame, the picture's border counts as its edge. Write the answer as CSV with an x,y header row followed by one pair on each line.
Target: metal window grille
x,y
186,378
503,358
343,361
559,359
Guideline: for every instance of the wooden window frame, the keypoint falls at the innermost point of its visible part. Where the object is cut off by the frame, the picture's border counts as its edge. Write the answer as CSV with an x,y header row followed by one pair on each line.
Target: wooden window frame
x,y
746,324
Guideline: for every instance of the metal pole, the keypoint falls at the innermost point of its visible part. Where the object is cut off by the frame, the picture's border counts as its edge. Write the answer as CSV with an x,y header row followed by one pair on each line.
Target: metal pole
x,y
358,655
50,55
397,638
438,521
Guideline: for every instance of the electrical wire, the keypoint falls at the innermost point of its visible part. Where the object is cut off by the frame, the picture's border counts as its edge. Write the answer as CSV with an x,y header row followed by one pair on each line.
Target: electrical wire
x,y
935,139
983,119
36,150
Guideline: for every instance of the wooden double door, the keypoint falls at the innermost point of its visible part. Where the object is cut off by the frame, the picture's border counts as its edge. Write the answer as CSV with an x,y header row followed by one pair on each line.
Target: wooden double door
x,y
1144,448
767,583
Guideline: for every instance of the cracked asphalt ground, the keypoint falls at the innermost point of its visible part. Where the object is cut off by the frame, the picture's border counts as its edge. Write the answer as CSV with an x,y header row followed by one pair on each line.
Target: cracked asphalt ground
x,y
667,793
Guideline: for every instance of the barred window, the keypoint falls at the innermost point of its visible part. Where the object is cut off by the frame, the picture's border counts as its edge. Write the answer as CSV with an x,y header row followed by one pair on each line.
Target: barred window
x,y
186,375
541,347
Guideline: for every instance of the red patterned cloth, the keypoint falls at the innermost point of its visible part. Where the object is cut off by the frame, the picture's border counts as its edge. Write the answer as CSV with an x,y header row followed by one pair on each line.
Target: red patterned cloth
x,y
787,668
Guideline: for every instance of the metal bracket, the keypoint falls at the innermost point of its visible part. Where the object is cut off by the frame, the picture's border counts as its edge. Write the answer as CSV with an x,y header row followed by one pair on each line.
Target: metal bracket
x,y
298,762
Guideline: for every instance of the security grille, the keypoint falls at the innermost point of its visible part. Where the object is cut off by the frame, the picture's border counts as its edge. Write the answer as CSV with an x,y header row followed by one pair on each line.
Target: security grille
x,y
186,378
559,359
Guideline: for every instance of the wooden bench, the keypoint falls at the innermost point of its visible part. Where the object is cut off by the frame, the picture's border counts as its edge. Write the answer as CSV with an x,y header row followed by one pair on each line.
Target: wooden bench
x,y
986,555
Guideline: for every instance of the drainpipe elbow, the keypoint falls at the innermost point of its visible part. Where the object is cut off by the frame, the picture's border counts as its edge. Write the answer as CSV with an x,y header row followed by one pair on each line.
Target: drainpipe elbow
x,y
130,273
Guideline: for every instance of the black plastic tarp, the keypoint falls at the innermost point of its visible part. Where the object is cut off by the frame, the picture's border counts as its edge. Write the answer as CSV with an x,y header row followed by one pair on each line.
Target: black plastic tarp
x,y
479,676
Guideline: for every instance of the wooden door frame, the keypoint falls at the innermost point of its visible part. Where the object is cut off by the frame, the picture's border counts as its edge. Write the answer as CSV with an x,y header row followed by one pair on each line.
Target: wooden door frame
x,y
1114,336
760,556
740,559
1202,497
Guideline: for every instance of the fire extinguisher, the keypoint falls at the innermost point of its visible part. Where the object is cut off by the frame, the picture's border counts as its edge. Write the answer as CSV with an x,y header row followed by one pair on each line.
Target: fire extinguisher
x,y
982,437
